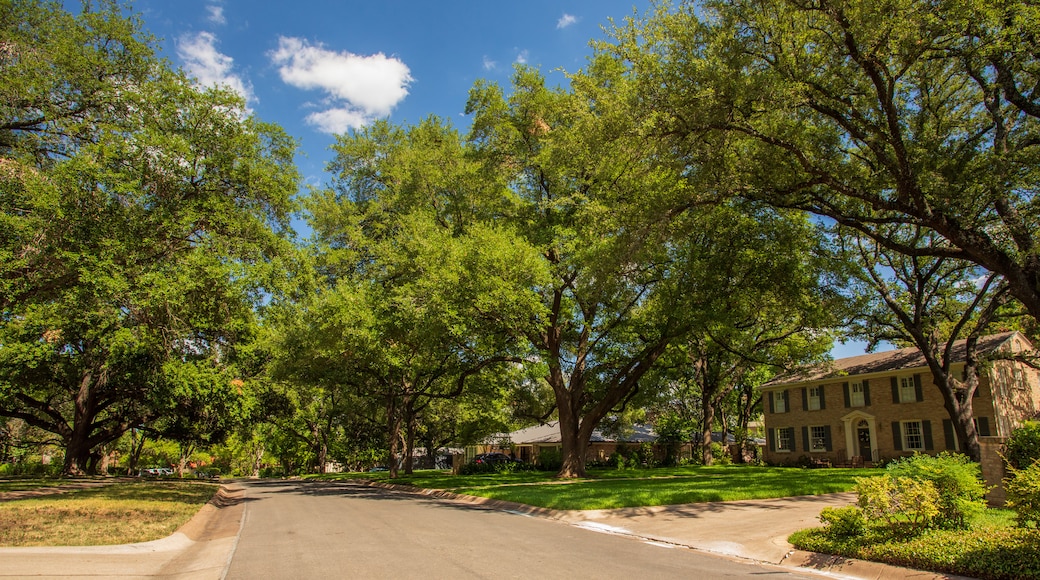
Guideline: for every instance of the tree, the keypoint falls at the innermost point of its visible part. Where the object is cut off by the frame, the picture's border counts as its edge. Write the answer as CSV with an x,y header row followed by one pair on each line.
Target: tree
x,y
600,331
869,113
638,257
207,403
421,290
766,310
140,219
943,306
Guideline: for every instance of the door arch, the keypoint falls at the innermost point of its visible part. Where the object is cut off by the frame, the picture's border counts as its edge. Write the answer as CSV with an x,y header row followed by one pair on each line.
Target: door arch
x,y
861,435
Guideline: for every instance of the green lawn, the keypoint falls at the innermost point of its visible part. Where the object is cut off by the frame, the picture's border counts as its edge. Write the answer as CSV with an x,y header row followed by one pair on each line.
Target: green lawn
x,y
611,488
119,513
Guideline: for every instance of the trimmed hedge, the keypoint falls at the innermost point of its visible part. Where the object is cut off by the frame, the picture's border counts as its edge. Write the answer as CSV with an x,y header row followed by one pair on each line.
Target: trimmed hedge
x,y
987,552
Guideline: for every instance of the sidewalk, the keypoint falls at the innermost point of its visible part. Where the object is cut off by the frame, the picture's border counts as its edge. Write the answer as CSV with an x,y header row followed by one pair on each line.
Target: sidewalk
x,y
753,529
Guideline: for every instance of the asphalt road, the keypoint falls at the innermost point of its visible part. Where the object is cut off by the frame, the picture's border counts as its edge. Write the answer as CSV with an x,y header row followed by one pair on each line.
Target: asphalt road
x,y
294,529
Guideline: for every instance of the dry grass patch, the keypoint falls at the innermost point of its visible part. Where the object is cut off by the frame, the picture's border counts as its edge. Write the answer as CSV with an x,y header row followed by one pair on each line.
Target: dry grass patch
x,y
121,513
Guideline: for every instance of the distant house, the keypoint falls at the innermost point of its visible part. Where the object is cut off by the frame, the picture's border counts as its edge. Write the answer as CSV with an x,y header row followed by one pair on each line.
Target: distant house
x,y
526,444
862,409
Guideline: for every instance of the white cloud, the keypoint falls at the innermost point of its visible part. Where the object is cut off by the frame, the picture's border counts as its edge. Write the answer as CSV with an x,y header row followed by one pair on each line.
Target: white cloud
x,y
521,56
216,14
338,120
489,64
209,66
357,88
566,20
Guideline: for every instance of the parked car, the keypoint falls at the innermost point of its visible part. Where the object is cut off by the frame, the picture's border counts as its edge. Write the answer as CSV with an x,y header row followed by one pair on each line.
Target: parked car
x,y
493,458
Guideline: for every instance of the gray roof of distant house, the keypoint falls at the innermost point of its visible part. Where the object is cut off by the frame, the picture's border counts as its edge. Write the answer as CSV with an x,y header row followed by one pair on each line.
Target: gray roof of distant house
x,y
550,433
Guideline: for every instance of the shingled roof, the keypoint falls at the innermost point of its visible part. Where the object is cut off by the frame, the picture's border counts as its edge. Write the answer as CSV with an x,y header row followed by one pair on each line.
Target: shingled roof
x,y
881,362
550,433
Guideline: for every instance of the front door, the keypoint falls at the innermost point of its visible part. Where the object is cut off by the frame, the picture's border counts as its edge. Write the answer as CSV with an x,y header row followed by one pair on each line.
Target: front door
x,y
864,442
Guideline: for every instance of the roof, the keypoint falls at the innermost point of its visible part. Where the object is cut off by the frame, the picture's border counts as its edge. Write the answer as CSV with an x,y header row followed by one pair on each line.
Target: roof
x,y
882,362
550,433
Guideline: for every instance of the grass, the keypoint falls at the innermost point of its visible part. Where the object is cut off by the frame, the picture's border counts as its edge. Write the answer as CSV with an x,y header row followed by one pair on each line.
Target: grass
x,y
992,547
120,513
612,488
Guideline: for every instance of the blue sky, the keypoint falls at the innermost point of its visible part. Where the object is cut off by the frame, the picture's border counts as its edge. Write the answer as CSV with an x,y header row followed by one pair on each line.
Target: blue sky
x,y
319,68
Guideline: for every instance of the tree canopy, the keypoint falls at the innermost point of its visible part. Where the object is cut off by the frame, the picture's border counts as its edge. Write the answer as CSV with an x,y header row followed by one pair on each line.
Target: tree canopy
x,y
141,215
869,113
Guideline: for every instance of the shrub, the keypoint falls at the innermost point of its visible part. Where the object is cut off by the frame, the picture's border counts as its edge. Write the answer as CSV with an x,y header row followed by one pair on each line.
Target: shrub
x,y
1023,494
31,469
629,457
645,454
889,499
1023,446
720,454
477,468
844,522
549,459
957,479
271,472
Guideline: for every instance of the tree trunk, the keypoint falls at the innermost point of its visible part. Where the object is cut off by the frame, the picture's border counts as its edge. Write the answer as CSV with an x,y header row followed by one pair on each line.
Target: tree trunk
x,y
957,398
572,447
409,437
708,418
747,406
961,414
393,434
321,447
77,446
258,457
137,440
182,461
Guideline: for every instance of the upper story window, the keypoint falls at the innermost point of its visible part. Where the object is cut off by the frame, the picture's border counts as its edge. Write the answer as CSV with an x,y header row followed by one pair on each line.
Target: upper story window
x,y
856,395
814,398
779,401
907,389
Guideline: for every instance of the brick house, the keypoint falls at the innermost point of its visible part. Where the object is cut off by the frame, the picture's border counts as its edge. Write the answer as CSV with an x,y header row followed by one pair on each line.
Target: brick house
x,y
526,444
863,409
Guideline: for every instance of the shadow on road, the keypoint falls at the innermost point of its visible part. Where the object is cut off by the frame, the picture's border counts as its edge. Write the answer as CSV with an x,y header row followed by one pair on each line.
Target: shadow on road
x,y
359,491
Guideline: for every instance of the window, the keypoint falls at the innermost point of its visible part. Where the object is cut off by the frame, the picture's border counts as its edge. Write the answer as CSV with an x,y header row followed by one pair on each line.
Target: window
x,y
907,390
818,438
784,439
913,436
780,402
814,398
856,394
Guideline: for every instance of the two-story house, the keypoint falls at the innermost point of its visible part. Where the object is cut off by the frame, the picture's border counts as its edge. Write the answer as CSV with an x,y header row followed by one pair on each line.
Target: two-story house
x,y
862,409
